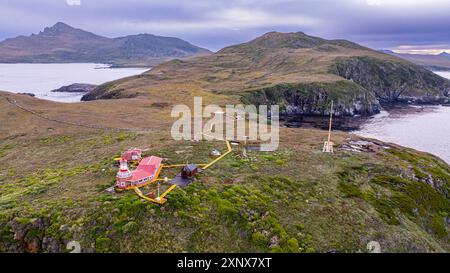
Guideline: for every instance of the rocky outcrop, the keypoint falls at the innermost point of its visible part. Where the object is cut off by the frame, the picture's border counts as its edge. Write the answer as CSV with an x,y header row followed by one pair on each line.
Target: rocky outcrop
x,y
395,82
314,98
108,91
29,235
76,88
27,94
368,83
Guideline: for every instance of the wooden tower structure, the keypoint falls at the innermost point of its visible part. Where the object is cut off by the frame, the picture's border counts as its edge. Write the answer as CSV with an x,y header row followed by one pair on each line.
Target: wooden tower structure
x,y
328,145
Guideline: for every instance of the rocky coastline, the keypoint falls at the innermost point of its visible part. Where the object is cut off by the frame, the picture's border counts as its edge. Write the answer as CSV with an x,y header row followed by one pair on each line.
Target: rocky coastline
x,y
350,123
76,88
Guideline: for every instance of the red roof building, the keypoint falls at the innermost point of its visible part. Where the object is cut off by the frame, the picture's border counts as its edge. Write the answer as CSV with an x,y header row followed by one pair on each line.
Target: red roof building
x,y
132,155
146,172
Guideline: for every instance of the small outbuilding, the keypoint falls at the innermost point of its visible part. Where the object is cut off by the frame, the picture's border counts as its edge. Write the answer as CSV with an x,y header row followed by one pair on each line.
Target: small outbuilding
x,y
190,170
132,155
186,176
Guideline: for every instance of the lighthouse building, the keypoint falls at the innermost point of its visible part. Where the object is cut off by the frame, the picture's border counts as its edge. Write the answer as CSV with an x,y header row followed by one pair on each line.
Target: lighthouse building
x,y
146,172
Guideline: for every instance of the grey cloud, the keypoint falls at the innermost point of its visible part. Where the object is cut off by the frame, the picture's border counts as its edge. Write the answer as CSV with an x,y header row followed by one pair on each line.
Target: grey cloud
x,y
218,23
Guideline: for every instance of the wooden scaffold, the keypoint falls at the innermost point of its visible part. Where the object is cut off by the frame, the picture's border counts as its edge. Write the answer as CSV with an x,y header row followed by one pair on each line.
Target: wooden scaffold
x,y
328,145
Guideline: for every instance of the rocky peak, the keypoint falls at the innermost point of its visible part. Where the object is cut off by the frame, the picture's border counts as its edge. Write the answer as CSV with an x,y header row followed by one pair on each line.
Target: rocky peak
x,y
60,29
290,40
278,40
56,29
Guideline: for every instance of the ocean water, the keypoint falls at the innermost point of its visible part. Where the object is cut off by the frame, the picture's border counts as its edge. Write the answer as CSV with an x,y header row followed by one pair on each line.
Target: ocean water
x,y
427,131
40,79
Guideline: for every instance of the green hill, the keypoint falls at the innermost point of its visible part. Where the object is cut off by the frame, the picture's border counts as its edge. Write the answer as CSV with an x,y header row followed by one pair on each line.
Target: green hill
x,y
297,71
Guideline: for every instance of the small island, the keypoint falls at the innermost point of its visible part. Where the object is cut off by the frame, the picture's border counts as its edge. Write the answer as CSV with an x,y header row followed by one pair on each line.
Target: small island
x,y
76,88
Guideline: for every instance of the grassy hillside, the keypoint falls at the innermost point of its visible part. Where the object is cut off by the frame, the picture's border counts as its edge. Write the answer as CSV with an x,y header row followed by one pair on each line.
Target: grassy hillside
x,y
297,199
293,60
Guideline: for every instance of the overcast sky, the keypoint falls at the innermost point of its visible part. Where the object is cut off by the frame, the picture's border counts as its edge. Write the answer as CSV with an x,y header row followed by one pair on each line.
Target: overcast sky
x,y
404,25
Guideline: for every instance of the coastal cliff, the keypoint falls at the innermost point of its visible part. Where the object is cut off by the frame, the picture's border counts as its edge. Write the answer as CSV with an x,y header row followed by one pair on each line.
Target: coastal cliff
x,y
395,82
315,98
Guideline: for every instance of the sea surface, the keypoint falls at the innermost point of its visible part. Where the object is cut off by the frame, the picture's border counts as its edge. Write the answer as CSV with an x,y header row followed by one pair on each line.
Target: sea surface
x,y
41,79
427,130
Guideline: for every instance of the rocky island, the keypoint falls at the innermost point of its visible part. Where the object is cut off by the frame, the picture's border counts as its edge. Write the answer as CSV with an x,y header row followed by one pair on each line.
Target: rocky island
x,y
76,88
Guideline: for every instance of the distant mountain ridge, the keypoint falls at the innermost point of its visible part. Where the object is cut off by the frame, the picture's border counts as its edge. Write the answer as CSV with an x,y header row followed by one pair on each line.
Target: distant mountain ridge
x,y
62,43
431,61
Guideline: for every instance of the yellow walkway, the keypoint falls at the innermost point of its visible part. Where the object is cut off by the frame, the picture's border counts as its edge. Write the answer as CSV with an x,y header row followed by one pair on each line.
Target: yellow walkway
x,y
160,199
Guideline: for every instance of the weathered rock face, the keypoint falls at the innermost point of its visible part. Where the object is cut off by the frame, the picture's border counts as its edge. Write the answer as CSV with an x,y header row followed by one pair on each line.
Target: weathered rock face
x,y
106,91
314,98
32,237
395,82
76,88
368,82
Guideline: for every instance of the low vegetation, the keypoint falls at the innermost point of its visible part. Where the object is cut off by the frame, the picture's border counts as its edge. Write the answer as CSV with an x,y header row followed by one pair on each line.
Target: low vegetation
x,y
293,200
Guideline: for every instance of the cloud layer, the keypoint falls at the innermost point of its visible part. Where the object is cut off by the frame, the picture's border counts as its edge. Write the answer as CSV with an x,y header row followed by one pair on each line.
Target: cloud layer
x,y
395,24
